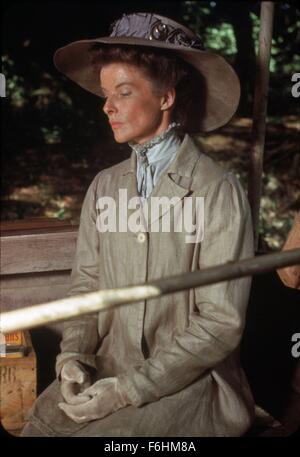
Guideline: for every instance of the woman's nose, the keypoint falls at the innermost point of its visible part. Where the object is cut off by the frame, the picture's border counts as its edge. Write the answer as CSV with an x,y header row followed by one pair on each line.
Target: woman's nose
x,y
109,106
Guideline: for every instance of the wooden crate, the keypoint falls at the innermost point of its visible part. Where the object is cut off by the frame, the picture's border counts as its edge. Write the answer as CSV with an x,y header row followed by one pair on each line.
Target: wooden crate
x,y
17,388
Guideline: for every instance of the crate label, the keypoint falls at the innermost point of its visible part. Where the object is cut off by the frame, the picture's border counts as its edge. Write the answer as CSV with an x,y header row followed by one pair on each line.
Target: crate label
x,y
14,338
7,375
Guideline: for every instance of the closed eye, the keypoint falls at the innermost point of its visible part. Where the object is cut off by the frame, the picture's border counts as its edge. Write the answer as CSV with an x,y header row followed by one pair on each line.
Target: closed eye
x,y
104,97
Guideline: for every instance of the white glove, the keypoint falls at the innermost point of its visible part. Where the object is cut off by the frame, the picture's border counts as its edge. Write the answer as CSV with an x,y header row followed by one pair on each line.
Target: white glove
x,y
74,379
105,397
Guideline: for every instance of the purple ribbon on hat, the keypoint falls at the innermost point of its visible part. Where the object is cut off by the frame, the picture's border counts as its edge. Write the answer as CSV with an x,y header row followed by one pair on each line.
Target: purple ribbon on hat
x,y
151,27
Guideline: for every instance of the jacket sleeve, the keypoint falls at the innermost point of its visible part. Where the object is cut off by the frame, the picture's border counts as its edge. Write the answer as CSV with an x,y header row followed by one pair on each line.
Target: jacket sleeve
x,y
290,276
80,334
217,322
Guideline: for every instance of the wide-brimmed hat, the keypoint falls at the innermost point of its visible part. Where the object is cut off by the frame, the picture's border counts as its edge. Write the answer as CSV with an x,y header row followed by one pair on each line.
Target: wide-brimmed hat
x,y
222,87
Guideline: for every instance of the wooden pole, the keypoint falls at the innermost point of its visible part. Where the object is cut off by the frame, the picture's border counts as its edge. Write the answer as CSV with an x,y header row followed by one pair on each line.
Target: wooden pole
x,y
66,308
259,113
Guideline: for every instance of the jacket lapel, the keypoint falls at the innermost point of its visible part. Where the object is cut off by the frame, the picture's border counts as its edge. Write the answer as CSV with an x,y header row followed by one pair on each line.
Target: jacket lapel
x,y
174,182
178,178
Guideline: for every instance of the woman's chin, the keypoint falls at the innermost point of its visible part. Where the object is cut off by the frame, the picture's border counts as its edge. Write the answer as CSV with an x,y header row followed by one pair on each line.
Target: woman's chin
x,y
122,138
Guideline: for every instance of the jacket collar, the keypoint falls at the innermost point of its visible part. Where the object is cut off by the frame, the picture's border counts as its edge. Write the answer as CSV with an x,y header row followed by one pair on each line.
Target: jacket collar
x,y
182,165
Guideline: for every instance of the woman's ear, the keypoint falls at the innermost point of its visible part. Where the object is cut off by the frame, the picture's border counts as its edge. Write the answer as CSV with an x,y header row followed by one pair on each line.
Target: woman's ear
x,y
168,99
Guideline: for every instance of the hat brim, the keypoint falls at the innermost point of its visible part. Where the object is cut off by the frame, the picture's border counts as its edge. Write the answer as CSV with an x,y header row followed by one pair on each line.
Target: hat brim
x,y
222,83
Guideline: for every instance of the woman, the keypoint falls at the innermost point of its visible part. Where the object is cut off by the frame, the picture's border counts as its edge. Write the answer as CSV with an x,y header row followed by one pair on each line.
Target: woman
x,y
167,366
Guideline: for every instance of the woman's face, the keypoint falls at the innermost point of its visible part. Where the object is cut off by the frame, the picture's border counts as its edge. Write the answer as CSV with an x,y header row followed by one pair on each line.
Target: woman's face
x,y
134,111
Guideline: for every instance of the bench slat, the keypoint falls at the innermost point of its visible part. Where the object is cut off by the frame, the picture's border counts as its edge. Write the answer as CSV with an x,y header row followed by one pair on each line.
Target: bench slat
x,y
37,252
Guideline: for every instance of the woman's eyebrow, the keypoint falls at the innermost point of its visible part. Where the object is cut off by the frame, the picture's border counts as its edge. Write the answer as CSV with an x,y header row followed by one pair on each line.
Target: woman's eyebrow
x,y
118,85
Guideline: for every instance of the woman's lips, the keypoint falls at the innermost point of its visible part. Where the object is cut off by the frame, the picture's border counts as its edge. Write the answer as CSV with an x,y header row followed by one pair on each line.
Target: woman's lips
x,y
115,125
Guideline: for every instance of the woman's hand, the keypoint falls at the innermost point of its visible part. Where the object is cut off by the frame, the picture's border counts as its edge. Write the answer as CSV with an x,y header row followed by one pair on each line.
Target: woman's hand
x,y
105,397
74,379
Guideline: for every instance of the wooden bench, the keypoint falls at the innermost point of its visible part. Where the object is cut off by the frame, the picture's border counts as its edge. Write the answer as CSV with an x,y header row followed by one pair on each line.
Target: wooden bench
x,y
36,259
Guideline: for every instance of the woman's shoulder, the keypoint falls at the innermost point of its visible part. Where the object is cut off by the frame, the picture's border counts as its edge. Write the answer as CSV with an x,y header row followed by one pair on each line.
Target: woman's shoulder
x,y
110,174
209,172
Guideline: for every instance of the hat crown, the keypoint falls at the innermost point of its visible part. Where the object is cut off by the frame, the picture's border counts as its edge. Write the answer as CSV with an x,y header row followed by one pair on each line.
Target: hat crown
x,y
154,27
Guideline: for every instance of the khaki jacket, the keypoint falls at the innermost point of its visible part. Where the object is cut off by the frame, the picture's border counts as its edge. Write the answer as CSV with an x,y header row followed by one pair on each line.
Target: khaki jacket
x,y
177,356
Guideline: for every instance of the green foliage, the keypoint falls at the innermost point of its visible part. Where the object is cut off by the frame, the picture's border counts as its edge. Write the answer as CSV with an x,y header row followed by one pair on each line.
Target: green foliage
x,y
221,38
283,58
218,33
15,84
40,108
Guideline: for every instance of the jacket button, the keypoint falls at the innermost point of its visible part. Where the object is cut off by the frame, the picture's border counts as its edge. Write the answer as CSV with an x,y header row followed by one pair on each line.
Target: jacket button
x,y
141,237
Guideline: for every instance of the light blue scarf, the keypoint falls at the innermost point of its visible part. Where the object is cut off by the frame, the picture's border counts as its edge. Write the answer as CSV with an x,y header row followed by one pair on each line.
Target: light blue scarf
x,y
153,157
